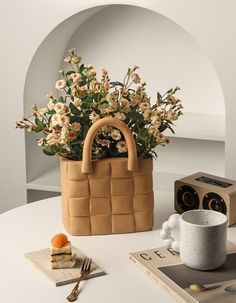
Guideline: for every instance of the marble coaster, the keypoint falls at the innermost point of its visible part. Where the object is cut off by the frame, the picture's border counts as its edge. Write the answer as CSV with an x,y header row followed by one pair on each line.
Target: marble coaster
x,y
41,260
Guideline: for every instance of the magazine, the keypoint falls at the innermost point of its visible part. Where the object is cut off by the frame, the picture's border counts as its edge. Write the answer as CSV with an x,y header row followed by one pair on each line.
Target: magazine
x,y
164,266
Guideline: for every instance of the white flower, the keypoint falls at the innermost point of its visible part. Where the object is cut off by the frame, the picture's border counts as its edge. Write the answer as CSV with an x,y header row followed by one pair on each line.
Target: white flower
x,y
51,104
135,77
104,72
52,138
148,114
72,136
60,120
144,105
122,147
59,107
60,84
125,104
55,119
172,99
76,102
135,99
64,121
115,134
40,142
75,77
155,119
67,59
75,126
42,111
104,142
120,116
94,117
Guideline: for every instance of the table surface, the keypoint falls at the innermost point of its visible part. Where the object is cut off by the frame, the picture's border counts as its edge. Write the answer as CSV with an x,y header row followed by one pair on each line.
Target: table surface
x,y
30,227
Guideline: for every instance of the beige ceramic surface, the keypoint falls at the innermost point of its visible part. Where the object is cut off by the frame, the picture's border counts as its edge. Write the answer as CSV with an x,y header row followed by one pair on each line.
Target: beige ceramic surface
x,y
107,196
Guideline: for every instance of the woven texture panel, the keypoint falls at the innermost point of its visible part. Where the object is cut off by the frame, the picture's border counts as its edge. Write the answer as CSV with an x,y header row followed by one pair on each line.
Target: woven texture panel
x,y
111,199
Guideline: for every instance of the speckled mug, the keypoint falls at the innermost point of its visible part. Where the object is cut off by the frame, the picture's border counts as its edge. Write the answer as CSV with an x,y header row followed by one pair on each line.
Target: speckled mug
x,y
203,236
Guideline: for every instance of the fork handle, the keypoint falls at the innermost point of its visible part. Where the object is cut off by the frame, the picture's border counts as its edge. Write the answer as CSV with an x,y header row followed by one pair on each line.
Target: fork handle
x,y
74,293
77,284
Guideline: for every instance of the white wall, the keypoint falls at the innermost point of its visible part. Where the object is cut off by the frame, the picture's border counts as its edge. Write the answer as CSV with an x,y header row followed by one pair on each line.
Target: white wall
x,y
40,80
212,23
120,36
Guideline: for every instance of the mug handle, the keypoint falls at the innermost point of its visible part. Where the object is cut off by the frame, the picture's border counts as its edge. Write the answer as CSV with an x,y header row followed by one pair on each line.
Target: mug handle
x,y
167,227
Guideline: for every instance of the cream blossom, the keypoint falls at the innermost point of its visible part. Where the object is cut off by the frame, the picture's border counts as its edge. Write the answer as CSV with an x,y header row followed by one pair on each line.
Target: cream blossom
x,y
122,147
115,134
155,119
67,59
103,142
60,84
40,142
172,99
64,120
144,105
125,104
94,117
104,110
52,138
120,116
135,99
59,107
75,126
59,120
72,136
51,104
104,72
75,77
76,102
135,77
148,114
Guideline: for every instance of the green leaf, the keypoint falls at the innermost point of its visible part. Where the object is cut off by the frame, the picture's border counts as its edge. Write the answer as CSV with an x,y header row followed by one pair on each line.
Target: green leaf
x,y
81,68
48,151
70,72
159,97
117,83
39,125
74,109
104,105
61,99
169,91
69,82
51,112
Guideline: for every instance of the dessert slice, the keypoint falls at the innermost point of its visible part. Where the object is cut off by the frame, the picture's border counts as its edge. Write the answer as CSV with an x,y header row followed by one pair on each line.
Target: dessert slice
x,y
61,255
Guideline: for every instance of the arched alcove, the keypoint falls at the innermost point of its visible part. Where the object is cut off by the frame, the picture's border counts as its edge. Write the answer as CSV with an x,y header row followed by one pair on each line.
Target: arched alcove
x,y
117,36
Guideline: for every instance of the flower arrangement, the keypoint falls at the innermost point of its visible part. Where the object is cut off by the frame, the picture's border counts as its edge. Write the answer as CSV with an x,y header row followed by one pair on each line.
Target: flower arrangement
x,y
84,99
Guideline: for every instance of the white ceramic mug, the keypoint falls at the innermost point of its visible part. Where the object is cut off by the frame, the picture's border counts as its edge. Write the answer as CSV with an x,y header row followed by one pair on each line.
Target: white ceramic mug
x,y
203,236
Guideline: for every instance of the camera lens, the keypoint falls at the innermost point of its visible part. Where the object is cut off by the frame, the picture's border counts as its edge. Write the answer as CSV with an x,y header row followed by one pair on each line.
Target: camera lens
x,y
215,202
187,198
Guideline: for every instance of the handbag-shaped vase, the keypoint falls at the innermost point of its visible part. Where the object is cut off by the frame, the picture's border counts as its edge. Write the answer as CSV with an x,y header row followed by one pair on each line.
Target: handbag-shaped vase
x,y
112,195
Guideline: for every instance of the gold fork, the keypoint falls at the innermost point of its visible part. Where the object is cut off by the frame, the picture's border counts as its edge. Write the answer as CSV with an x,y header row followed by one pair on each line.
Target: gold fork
x,y
85,270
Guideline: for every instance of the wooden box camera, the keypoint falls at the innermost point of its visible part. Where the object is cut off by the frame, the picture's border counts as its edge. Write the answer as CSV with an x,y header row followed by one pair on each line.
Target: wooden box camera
x,y
206,191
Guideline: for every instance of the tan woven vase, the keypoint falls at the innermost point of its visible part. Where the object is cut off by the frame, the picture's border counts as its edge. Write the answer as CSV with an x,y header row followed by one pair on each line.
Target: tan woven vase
x,y
113,195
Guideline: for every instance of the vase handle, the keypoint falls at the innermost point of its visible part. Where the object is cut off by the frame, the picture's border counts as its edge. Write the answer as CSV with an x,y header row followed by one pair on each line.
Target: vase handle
x,y
88,142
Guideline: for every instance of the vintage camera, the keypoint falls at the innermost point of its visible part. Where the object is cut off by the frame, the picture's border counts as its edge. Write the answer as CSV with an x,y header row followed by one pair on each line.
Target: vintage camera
x,y
205,191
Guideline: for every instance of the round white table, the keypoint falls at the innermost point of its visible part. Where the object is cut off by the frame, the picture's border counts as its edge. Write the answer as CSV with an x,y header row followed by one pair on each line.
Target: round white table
x,y
30,227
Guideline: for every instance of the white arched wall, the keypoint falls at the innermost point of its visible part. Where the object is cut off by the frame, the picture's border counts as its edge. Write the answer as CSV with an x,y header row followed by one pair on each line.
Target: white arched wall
x,y
20,43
